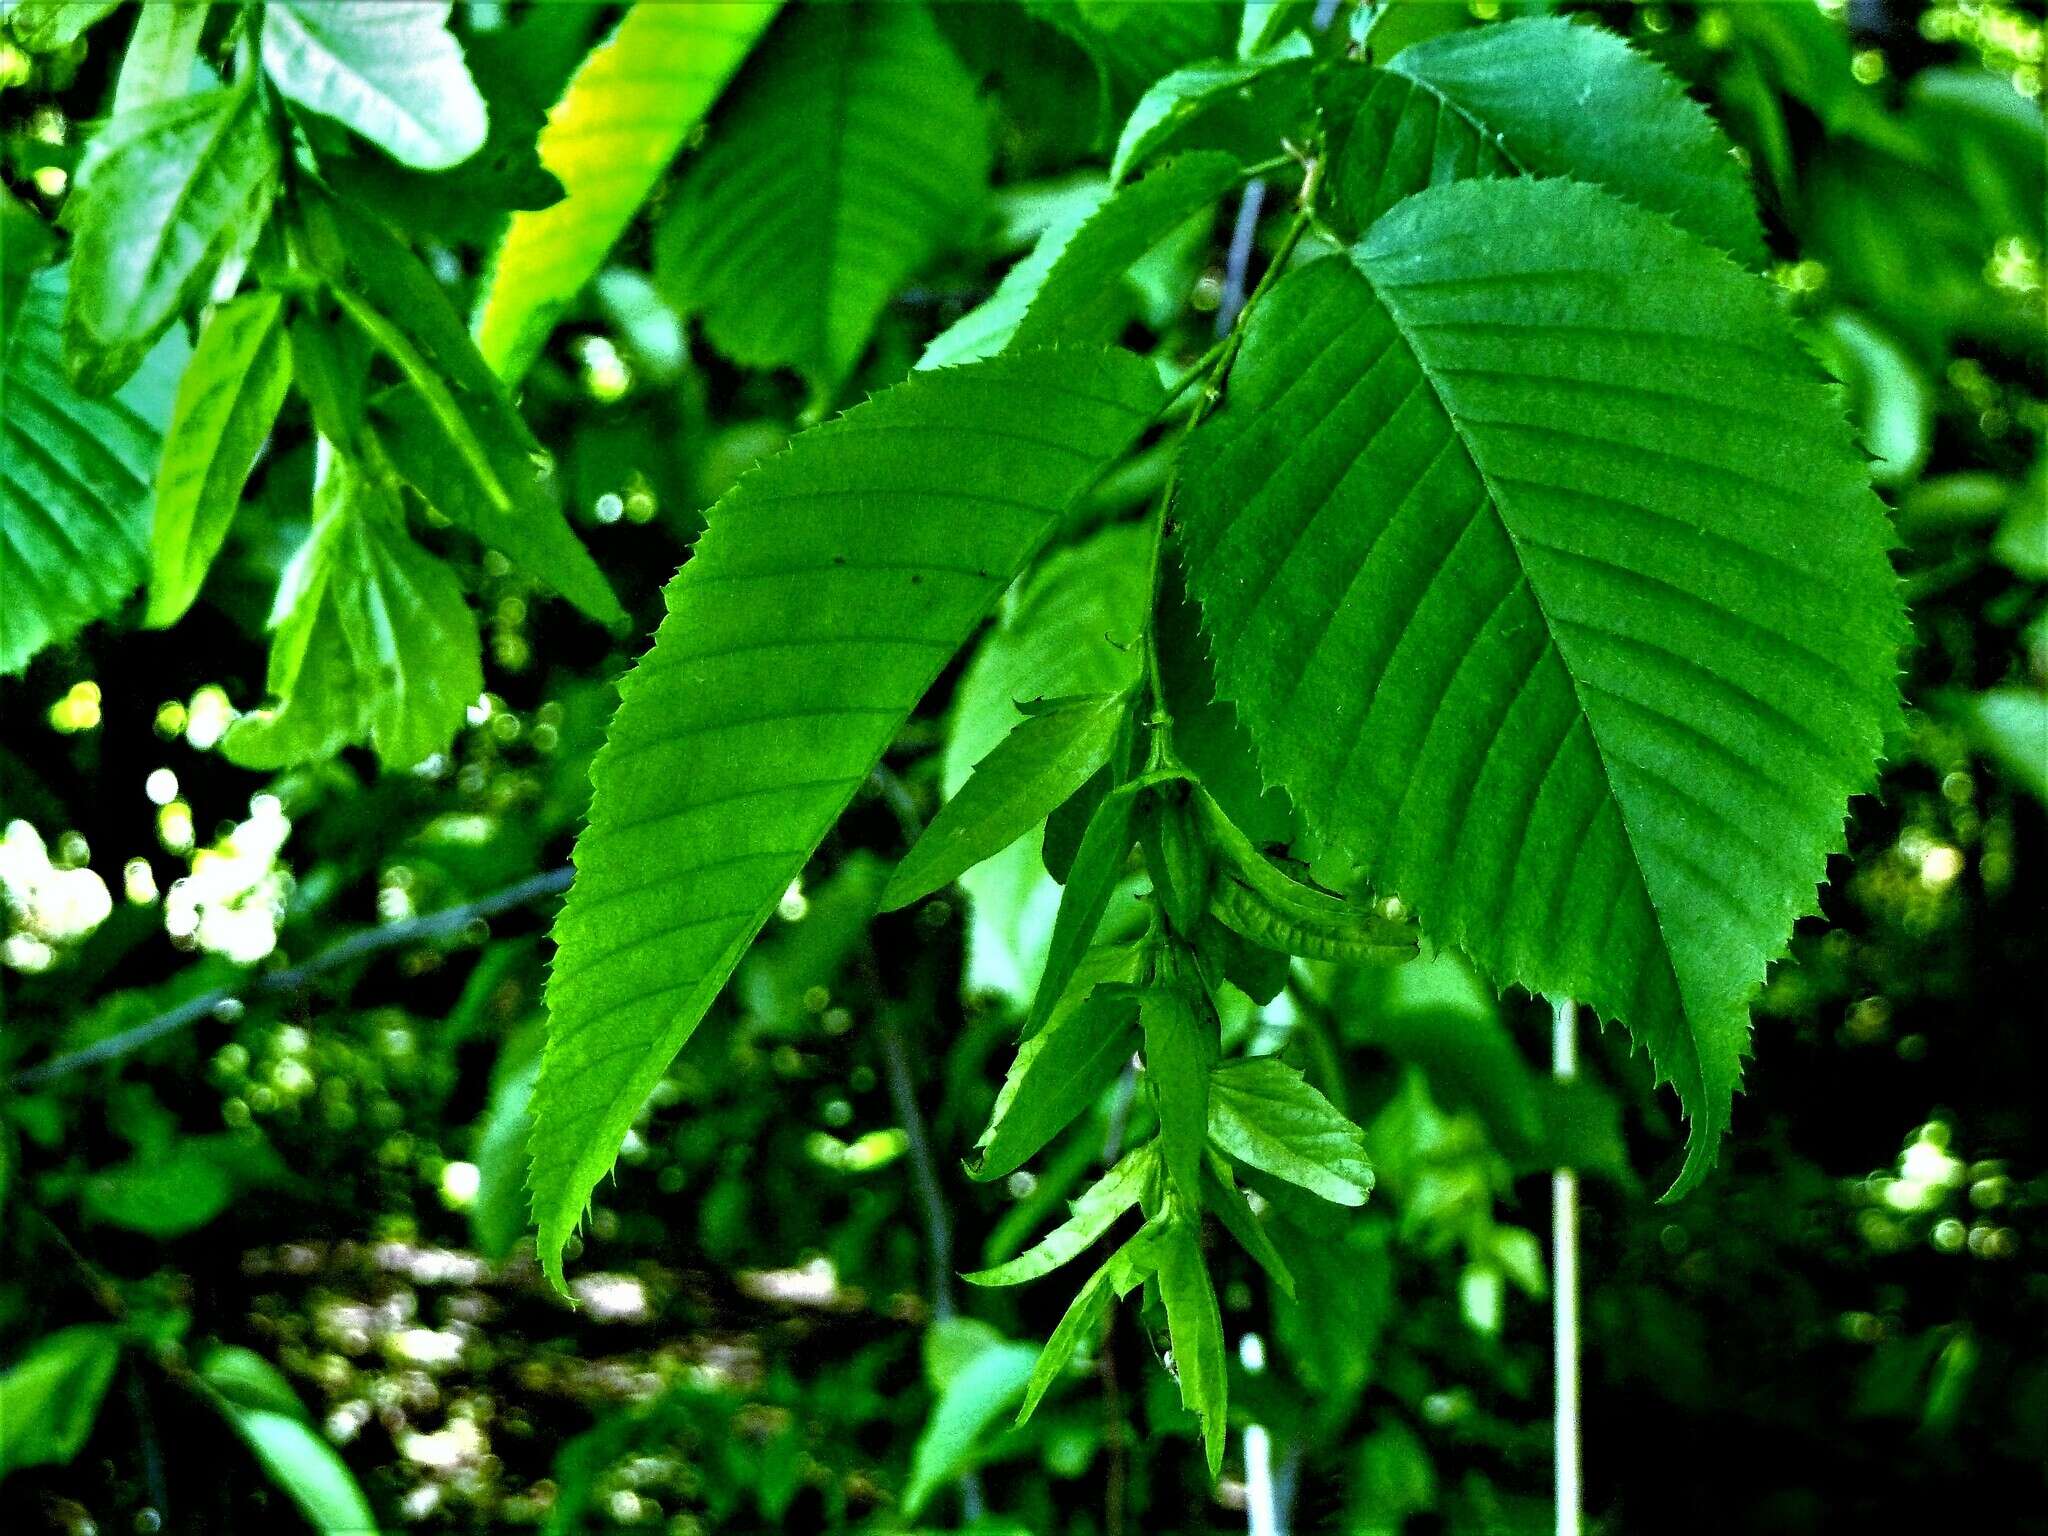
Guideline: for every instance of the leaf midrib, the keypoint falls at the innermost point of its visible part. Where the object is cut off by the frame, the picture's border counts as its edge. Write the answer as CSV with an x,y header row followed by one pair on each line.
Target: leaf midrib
x,y
1687,1040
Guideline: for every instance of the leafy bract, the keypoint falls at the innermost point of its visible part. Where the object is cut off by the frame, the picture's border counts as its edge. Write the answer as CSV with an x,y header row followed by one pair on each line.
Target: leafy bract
x,y
1093,1214
1073,287
1264,1114
631,105
227,400
1124,1272
50,1397
389,69
1540,564
74,481
1242,107
165,195
1051,754
1180,1048
1195,1325
1542,96
1059,1072
373,640
830,588
844,158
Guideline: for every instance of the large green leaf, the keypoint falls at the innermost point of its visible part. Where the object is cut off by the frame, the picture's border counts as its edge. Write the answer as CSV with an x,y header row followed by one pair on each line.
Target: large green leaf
x,y
1539,561
50,1397
829,590
615,130
846,155
74,483
389,69
227,400
165,195
1541,96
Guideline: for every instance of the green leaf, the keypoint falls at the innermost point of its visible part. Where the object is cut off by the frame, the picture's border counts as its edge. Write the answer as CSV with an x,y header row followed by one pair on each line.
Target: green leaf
x,y
626,113
389,69
977,1387
161,53
50,1397
1544,97
74,482
50,26
1264,22
1264,1114
1073,287
1093,1215
1125,1271
374,641
1243,108
1098,865
1069,626
1059,1072
165,196
1221,1195
164,1194
227,401
266,1413
829,590
1195,1326
1034,769
1180,1048
2011,724
1537,496
850,152
450,430
497,1216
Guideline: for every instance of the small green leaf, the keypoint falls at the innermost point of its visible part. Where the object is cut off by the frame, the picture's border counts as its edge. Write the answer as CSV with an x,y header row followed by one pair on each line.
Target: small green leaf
x,y
161,52
1125,1271
1180,1049
50,1397
1195,1326
626,113
227,400
165,196
373,641
828,592
1243,108
1035,768
1059,1072
1073,286
389,69
851,151
1540,96
1265,1114
1098,865
50,26
450,430
979,1386
1222,1196
253,1397
1093,1215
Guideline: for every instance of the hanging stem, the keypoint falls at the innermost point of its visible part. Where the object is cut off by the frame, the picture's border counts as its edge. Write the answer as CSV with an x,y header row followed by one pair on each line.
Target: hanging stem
x,y
1564,1287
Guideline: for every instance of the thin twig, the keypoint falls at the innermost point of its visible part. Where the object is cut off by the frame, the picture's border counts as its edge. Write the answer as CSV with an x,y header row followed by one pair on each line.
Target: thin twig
x,y
357,946
1564,1287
